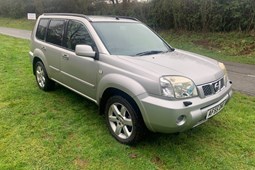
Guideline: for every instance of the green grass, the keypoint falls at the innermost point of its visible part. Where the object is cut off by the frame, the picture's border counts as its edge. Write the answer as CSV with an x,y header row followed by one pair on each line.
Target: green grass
x,y
24,23
234,46
62,130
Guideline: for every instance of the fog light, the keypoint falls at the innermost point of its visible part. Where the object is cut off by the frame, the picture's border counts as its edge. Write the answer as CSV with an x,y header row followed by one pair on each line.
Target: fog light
x,y
181,120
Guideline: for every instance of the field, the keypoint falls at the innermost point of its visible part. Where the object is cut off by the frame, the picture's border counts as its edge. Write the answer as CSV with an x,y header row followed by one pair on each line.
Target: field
x,y
234,46
62,130
17,23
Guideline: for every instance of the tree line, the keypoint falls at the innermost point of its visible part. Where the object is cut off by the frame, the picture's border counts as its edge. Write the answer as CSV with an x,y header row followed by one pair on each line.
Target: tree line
x,y
192,15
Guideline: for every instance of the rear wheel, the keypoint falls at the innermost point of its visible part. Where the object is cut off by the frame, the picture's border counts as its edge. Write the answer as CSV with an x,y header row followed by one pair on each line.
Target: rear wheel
x,y
124,120
42,78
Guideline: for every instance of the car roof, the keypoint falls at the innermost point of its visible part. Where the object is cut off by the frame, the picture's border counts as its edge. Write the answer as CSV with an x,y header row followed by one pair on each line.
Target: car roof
x,y
94,18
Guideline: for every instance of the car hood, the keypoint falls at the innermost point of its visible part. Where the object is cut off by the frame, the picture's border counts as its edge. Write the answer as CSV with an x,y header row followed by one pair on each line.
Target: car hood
x,y
196,67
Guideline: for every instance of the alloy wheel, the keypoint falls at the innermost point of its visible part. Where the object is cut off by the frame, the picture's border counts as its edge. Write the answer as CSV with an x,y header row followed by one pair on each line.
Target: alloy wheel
x,y
120,120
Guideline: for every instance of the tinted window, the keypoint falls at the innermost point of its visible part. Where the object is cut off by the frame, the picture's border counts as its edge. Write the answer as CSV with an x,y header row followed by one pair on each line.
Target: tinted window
x,y
41,29
77,34
55,32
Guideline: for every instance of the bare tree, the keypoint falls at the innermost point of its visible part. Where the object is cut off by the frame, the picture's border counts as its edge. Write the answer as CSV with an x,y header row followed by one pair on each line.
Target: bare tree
x,y
114,1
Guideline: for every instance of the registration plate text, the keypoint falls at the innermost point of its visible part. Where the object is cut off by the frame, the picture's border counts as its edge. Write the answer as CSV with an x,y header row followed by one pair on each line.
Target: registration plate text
x,y
213,111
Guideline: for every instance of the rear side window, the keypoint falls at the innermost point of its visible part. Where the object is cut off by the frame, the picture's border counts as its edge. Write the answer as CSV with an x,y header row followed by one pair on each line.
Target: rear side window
x,y
77,34
41,29
55,32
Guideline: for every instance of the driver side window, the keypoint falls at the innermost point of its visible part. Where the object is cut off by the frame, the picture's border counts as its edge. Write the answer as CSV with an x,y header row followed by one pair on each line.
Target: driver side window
x,y
77,34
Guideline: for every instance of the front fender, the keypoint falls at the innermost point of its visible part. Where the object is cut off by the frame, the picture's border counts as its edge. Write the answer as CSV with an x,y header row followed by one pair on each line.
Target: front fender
x,y
120,82
130,86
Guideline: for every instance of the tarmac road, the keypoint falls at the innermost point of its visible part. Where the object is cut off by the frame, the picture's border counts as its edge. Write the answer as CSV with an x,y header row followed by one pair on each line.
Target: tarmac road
x,y
242,75
24,34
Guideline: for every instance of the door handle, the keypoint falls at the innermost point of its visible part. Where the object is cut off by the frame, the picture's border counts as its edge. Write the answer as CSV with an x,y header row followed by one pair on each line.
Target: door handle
x,y
43,48
65,57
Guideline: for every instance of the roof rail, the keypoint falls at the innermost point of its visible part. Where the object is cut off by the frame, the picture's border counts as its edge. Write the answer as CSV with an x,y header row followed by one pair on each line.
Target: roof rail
x,y
86,17
125,17
69,14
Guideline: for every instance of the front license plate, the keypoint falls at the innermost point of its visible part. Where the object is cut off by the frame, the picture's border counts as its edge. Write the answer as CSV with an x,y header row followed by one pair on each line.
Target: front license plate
x,y
213,111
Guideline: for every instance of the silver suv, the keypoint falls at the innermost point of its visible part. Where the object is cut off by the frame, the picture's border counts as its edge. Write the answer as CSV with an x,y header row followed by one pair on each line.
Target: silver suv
x,y
138,80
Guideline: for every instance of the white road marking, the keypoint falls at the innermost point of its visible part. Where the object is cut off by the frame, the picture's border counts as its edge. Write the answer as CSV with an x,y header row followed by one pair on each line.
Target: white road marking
x,y
247,75
253,76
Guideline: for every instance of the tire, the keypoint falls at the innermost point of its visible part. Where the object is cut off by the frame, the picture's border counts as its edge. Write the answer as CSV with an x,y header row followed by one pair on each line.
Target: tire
x,y
124,120
42,78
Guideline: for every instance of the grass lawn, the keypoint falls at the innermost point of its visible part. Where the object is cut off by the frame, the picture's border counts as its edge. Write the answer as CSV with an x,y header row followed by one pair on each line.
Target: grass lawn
x,y
62,130
17,23
233,46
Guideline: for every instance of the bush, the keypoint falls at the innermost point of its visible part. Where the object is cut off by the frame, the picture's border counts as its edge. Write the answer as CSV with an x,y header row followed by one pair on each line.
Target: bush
x,y
192,15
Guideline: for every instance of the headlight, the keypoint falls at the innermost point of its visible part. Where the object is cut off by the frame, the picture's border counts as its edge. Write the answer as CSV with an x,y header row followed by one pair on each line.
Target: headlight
x,y
223,68
177,87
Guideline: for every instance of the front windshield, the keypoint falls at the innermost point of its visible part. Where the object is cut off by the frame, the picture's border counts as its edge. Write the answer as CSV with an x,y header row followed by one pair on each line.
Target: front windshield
x,y
129,39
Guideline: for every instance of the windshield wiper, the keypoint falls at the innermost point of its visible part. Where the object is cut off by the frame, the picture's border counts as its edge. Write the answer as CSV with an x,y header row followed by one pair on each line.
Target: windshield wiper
x,y
149,53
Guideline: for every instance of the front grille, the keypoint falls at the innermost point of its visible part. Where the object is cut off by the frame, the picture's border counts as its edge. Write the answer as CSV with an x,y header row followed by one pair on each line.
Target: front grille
x,y
212,88
222,83
207,90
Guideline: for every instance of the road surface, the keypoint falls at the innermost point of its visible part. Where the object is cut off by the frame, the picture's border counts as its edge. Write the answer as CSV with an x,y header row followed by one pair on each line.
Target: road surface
x,y
242,75
24,34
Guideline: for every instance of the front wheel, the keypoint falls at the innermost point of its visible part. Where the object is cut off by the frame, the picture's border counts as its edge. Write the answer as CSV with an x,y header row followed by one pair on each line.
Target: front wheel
x,y
124,120
42,78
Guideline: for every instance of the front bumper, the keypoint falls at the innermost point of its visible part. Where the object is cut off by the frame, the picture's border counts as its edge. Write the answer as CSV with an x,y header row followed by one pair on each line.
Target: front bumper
x,y
161,115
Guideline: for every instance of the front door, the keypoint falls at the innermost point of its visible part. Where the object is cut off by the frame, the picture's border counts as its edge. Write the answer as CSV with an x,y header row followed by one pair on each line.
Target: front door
x,y
78,72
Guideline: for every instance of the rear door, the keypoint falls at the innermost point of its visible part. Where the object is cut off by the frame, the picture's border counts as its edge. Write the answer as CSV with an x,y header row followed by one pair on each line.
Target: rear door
x,y
53,46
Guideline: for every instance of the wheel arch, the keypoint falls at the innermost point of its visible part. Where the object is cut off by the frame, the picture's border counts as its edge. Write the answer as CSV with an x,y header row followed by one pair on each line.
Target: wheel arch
x,y
35,60
39,56
109,92
115,84
124,86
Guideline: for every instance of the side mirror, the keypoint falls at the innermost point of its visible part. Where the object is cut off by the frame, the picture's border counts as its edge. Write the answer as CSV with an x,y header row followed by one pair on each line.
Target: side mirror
x,y
85,51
